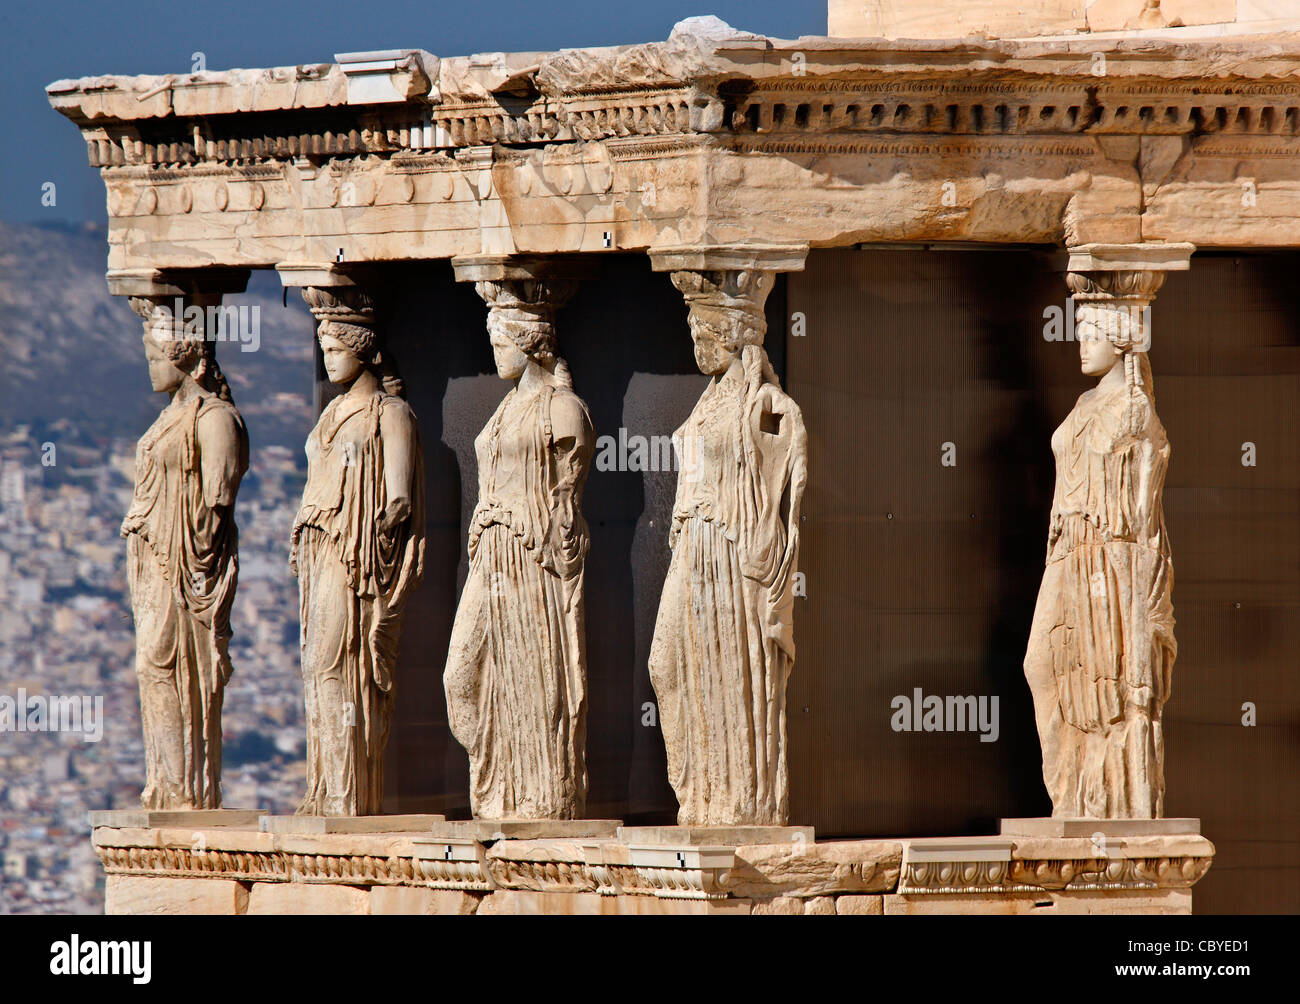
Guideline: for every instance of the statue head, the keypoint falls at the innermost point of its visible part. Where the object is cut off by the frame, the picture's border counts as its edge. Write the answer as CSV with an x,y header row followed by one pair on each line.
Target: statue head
x,y
1107,332
1112,319
175,353
518,337
346,330
521,323
726,313
1099,351
347,350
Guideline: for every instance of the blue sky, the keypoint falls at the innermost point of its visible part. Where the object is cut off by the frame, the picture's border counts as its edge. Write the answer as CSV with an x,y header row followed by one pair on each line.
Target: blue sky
x,y
46,42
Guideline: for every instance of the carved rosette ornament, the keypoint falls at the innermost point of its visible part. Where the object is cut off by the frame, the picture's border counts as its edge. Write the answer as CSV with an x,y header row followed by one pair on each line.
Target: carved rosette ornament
x,y
358,552
183,552
1101,650
723,646
516,673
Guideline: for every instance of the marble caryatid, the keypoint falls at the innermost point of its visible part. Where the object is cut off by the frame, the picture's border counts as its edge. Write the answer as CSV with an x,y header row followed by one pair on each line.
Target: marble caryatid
x,y
358,552
183,561
723,645
516,675
1101,648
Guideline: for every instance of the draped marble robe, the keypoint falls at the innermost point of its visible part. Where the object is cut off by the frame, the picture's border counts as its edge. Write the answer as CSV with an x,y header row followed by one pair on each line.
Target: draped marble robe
x,y
516,667
182,568
353,585
723,646
1101,648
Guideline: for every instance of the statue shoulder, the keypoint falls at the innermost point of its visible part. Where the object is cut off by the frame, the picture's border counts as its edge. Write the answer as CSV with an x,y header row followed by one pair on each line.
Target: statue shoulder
x,y
395,409
218,420
569,414
773,399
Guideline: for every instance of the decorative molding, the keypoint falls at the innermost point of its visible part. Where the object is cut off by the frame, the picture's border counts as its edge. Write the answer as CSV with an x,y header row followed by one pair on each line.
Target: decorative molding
x,y
900,145
613,868
819,106
1032,876
1021,108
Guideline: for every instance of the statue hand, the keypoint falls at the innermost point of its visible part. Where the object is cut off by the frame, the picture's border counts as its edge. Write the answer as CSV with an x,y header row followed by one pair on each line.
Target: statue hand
x,y
397,512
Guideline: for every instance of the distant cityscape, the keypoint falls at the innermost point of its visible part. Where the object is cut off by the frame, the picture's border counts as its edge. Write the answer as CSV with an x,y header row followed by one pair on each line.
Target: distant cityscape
x,y
66,630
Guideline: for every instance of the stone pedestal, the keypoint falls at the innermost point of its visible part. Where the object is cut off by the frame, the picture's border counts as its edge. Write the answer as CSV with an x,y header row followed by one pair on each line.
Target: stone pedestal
x,y
156,818
348,824
1058,826
491,830
716,836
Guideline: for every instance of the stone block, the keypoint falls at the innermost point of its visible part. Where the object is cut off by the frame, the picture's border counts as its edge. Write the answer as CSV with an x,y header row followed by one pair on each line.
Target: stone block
x,y
1118,901
859,906
418,823
126,895
716,836
390,900
943,19
654,906
1187,13
815,869
278,898
778,906
1056,826
530,903
488,830
819,906
122,819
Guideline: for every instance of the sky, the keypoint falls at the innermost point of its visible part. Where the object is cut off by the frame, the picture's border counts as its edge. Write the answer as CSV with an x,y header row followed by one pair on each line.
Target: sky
x,y
75,38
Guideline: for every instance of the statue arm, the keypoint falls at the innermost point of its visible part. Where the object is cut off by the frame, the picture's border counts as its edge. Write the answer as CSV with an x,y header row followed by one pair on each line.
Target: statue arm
x,y
798,481
573,441
572,433
400,439
220,456
1145,488
777,428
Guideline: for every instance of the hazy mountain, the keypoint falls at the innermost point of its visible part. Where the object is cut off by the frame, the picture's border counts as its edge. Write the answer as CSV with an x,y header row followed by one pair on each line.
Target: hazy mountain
x,y
71,363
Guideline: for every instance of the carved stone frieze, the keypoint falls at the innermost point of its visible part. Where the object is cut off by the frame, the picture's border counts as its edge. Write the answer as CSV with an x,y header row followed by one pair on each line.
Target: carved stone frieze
x,y
791,871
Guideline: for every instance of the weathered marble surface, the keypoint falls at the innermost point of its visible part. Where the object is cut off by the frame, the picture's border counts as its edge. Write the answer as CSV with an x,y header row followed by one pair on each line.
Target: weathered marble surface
x,y
1177,19
723,646
1101,649
516,672
183,560
181,870
358,552
712,135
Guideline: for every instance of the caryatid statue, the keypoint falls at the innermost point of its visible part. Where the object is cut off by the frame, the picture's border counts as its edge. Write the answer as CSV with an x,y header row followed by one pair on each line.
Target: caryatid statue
x,y
183,560
516,675
358,552
723,646
1101,649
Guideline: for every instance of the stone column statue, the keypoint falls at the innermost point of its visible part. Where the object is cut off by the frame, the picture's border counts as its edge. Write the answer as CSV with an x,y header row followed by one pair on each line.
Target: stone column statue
x,y
723,646
516,675
1101,649
358,552
183,560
